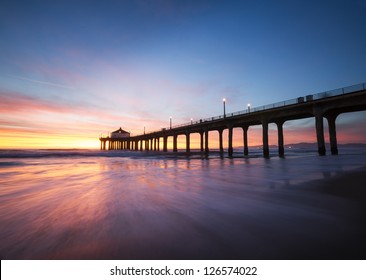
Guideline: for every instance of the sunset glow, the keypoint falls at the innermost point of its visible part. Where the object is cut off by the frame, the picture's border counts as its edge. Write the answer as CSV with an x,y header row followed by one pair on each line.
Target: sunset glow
x,y
70,72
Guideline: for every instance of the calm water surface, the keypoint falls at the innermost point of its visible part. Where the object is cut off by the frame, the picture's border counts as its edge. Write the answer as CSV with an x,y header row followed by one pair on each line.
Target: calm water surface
x,y
121,205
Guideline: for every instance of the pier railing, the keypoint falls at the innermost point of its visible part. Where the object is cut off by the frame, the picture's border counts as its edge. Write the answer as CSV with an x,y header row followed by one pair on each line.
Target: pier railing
x,y
307,98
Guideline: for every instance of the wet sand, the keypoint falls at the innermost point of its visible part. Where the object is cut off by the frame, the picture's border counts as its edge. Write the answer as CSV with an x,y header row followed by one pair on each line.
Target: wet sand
x,y
342,197
335,229
302,207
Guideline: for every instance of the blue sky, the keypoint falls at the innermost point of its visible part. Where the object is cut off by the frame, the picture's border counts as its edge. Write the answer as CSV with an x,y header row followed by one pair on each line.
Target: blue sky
x,y
88,67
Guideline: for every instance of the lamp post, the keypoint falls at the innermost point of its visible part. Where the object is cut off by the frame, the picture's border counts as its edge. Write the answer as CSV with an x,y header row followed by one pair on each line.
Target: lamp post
x,y
144,130
248,108
224,101
191,121
170,122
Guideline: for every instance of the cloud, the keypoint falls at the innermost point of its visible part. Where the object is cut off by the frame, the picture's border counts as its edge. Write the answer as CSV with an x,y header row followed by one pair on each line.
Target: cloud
x,y
41,82
13,102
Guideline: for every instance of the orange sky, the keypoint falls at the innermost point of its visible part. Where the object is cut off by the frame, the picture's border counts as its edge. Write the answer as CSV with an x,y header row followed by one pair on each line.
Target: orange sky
x,y
49,131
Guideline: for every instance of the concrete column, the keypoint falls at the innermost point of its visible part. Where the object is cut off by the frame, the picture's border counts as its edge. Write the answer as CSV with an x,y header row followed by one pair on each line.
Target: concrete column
x,y
151,144
281,149
320,134
101,144
136,145
141,144
230,144
147,144
332,134
265,139
206,142
201,142
128,144
175,146
221,142
245,138
158,148
188,144
165,143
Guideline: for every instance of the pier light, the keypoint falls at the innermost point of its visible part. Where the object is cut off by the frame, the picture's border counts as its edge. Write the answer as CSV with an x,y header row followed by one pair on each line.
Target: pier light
x,y
248,107
144,130
224,102
170,118
191,120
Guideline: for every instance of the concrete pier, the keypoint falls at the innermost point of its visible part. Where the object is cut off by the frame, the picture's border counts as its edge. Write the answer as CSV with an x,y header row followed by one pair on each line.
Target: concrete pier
x,y
281,149
332,133
265,138
327,105
245,139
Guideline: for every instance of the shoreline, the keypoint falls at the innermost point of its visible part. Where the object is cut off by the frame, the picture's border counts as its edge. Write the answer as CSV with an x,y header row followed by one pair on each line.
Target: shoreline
x,y
348,184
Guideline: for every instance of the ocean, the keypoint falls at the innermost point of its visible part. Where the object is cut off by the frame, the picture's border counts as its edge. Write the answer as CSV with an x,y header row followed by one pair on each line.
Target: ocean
x,y
91,204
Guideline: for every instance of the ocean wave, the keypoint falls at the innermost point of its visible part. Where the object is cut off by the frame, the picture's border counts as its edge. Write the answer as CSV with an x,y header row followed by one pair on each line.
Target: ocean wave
x,y
60,153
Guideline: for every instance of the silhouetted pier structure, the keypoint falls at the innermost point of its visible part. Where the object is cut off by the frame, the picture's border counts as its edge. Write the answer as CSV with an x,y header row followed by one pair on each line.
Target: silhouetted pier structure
x,y
328,105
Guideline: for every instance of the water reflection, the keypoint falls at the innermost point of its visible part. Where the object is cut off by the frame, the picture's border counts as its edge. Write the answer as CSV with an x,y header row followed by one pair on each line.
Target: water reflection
x,y
122,208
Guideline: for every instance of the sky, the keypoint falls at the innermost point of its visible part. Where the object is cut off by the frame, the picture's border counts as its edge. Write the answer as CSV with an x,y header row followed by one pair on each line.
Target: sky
x,y
71,71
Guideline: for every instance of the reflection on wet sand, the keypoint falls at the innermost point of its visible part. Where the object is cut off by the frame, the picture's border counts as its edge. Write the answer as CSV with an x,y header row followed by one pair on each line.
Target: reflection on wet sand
x,y
156,208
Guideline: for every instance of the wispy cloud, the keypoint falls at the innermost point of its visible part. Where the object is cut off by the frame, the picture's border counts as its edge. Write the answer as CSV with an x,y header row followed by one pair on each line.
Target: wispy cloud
x,y
40,82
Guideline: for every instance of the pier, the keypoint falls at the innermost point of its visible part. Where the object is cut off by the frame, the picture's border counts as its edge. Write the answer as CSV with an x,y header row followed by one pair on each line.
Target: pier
x,y
325,105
